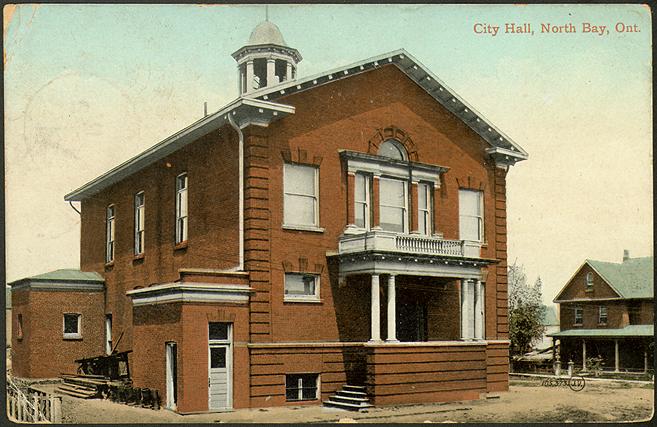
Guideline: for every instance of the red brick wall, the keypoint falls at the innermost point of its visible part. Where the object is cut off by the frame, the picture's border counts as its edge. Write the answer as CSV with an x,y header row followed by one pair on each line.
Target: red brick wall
x,y
497,366
43,352
616,314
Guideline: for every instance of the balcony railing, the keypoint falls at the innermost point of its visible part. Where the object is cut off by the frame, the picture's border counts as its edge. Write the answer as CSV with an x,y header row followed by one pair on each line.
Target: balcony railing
x,y
408,244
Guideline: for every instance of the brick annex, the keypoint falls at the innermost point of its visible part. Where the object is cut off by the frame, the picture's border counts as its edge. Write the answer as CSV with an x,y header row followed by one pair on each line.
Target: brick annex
x,y
335,238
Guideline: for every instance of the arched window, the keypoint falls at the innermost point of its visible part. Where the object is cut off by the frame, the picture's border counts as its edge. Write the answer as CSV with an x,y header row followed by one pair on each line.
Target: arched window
x,y
393,149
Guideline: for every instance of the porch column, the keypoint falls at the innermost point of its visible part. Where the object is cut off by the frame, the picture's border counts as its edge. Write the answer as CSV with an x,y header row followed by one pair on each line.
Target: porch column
x,y
249,77
645,361
466,309
584,355
477,311
616,358
375,311
392,312
376,221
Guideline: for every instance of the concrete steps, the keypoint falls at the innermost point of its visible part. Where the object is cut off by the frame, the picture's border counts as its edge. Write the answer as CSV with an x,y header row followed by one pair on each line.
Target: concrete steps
x,y
350,397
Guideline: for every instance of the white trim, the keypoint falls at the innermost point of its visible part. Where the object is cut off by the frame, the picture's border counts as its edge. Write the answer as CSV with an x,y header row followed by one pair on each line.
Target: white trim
x,y
60,286
315,196
190,292
72,335
302,298
307,344
240,150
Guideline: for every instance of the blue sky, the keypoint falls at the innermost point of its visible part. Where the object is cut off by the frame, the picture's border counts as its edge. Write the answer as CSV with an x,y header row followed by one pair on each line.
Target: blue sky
x,y
88,86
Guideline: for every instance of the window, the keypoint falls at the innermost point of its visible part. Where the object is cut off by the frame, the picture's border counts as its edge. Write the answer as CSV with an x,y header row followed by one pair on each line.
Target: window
x,y
139,223
589,281
19,326
109,234
579,315
425,208
301,387
181,208
602,315
108,334
471,215
72,325
393,201
301,287
362,201
217,331
393,149
301,195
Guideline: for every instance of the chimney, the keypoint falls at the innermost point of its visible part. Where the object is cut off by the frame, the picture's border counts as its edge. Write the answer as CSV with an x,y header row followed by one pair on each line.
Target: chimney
x,y
626,255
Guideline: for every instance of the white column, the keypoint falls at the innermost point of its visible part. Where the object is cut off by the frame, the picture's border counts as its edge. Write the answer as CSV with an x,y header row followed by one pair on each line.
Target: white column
x,y
249,76
392,311
288,71
464,318
375,311
471,313
477,310
616,358
271,72
583,355
645,361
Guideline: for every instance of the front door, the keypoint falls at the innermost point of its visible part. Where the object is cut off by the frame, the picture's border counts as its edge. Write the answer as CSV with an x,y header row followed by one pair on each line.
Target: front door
x,y
219,367
411,321
171,379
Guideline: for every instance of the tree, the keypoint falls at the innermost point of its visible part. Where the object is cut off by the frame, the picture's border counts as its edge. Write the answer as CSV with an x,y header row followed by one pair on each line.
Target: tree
x,y
526,310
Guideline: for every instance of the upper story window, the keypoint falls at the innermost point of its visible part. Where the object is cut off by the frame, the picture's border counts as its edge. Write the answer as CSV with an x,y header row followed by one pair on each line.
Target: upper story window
x,y
109,233
602,314
425,208
579,315
471,215
72,325
362,196
589,281
393,205
301,195
301,287
181,208
393,149
139,223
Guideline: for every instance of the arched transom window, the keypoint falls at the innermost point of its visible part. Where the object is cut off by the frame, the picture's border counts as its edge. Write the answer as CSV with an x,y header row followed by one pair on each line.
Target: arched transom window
x,y
393,149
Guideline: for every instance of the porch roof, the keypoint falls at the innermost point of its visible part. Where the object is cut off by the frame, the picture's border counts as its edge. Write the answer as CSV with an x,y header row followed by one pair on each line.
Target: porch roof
x,y
627,331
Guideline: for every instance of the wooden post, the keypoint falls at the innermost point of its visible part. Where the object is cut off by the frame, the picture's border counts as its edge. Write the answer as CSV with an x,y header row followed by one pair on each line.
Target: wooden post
x,y
583,355
645,361
616,358
35,401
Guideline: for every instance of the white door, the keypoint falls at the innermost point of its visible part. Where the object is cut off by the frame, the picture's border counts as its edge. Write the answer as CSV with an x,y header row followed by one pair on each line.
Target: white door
x,y
171,355
219,378
108,334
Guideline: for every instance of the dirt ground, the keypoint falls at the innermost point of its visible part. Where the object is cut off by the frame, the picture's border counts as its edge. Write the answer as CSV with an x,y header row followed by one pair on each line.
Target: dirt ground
x,y
526,401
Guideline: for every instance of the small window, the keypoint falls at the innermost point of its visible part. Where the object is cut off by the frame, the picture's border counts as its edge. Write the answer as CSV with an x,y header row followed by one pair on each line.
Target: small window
x,y
109,233
393,149
425,208
362,201
579,315
393,202
602,315
589,281
301,198
139,223
301,387
301,287
471,215
217,331
19,326
72,325
181,208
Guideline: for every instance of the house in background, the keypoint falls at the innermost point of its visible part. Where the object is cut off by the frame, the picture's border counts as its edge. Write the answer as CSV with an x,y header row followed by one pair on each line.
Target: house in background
x,y
607,309
551,323
343,230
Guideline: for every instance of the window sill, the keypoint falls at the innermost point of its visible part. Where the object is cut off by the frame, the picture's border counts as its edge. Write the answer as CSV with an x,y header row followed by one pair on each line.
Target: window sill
x,y
303,300
577,325
138,257
109,265
603,324
311,228
588,290
180,246
73,337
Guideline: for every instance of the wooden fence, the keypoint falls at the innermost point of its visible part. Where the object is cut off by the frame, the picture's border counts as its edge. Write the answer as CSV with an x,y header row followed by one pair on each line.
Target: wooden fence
x,y
32,406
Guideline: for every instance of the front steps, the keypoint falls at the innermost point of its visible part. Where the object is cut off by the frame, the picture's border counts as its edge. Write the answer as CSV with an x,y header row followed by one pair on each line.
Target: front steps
x,y
351,398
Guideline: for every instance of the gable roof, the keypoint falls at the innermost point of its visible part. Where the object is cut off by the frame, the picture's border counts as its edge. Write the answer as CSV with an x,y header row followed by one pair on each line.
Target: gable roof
x,y
67,278
501,147
630,279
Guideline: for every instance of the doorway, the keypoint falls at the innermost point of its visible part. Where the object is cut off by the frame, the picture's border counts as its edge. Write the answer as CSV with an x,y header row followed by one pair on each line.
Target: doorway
x,y
411,321
220,366
171,375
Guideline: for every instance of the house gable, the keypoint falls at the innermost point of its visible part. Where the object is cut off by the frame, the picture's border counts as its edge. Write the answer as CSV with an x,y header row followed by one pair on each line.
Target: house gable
x,y
576,287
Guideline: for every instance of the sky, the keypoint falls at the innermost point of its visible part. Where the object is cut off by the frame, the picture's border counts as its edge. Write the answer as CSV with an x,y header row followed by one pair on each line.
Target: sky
x,y
89,86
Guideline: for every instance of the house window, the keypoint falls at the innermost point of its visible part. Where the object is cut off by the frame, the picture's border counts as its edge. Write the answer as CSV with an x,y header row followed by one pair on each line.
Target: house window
x,y
589,281
362,201
301,198
109,233
425,208
471,215
72,325
579,315
19,326
301,287
393,205
139,223
602,315
393,149
181,208
301,387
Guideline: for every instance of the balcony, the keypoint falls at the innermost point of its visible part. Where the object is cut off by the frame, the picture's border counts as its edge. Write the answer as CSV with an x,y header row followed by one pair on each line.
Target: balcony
x,y
387,241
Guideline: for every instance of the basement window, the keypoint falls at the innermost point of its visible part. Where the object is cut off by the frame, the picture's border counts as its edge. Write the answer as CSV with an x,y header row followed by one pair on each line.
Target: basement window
x,y
301,387
72,327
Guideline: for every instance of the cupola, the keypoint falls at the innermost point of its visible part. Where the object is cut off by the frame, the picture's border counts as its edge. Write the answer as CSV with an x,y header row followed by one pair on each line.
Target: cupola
x,y
266,60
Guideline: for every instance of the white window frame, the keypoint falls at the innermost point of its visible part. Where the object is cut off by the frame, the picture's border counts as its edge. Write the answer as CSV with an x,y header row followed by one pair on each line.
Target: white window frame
x,y
110,232
182,198
589,281
579,310
72,335
427,212
479,216
300,387
603,309
305,297
366,203
140,222
404,207
315,197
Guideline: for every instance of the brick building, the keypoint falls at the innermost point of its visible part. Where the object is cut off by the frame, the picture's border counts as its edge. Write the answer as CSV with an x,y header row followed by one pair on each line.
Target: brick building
x,y
607,310
347,228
